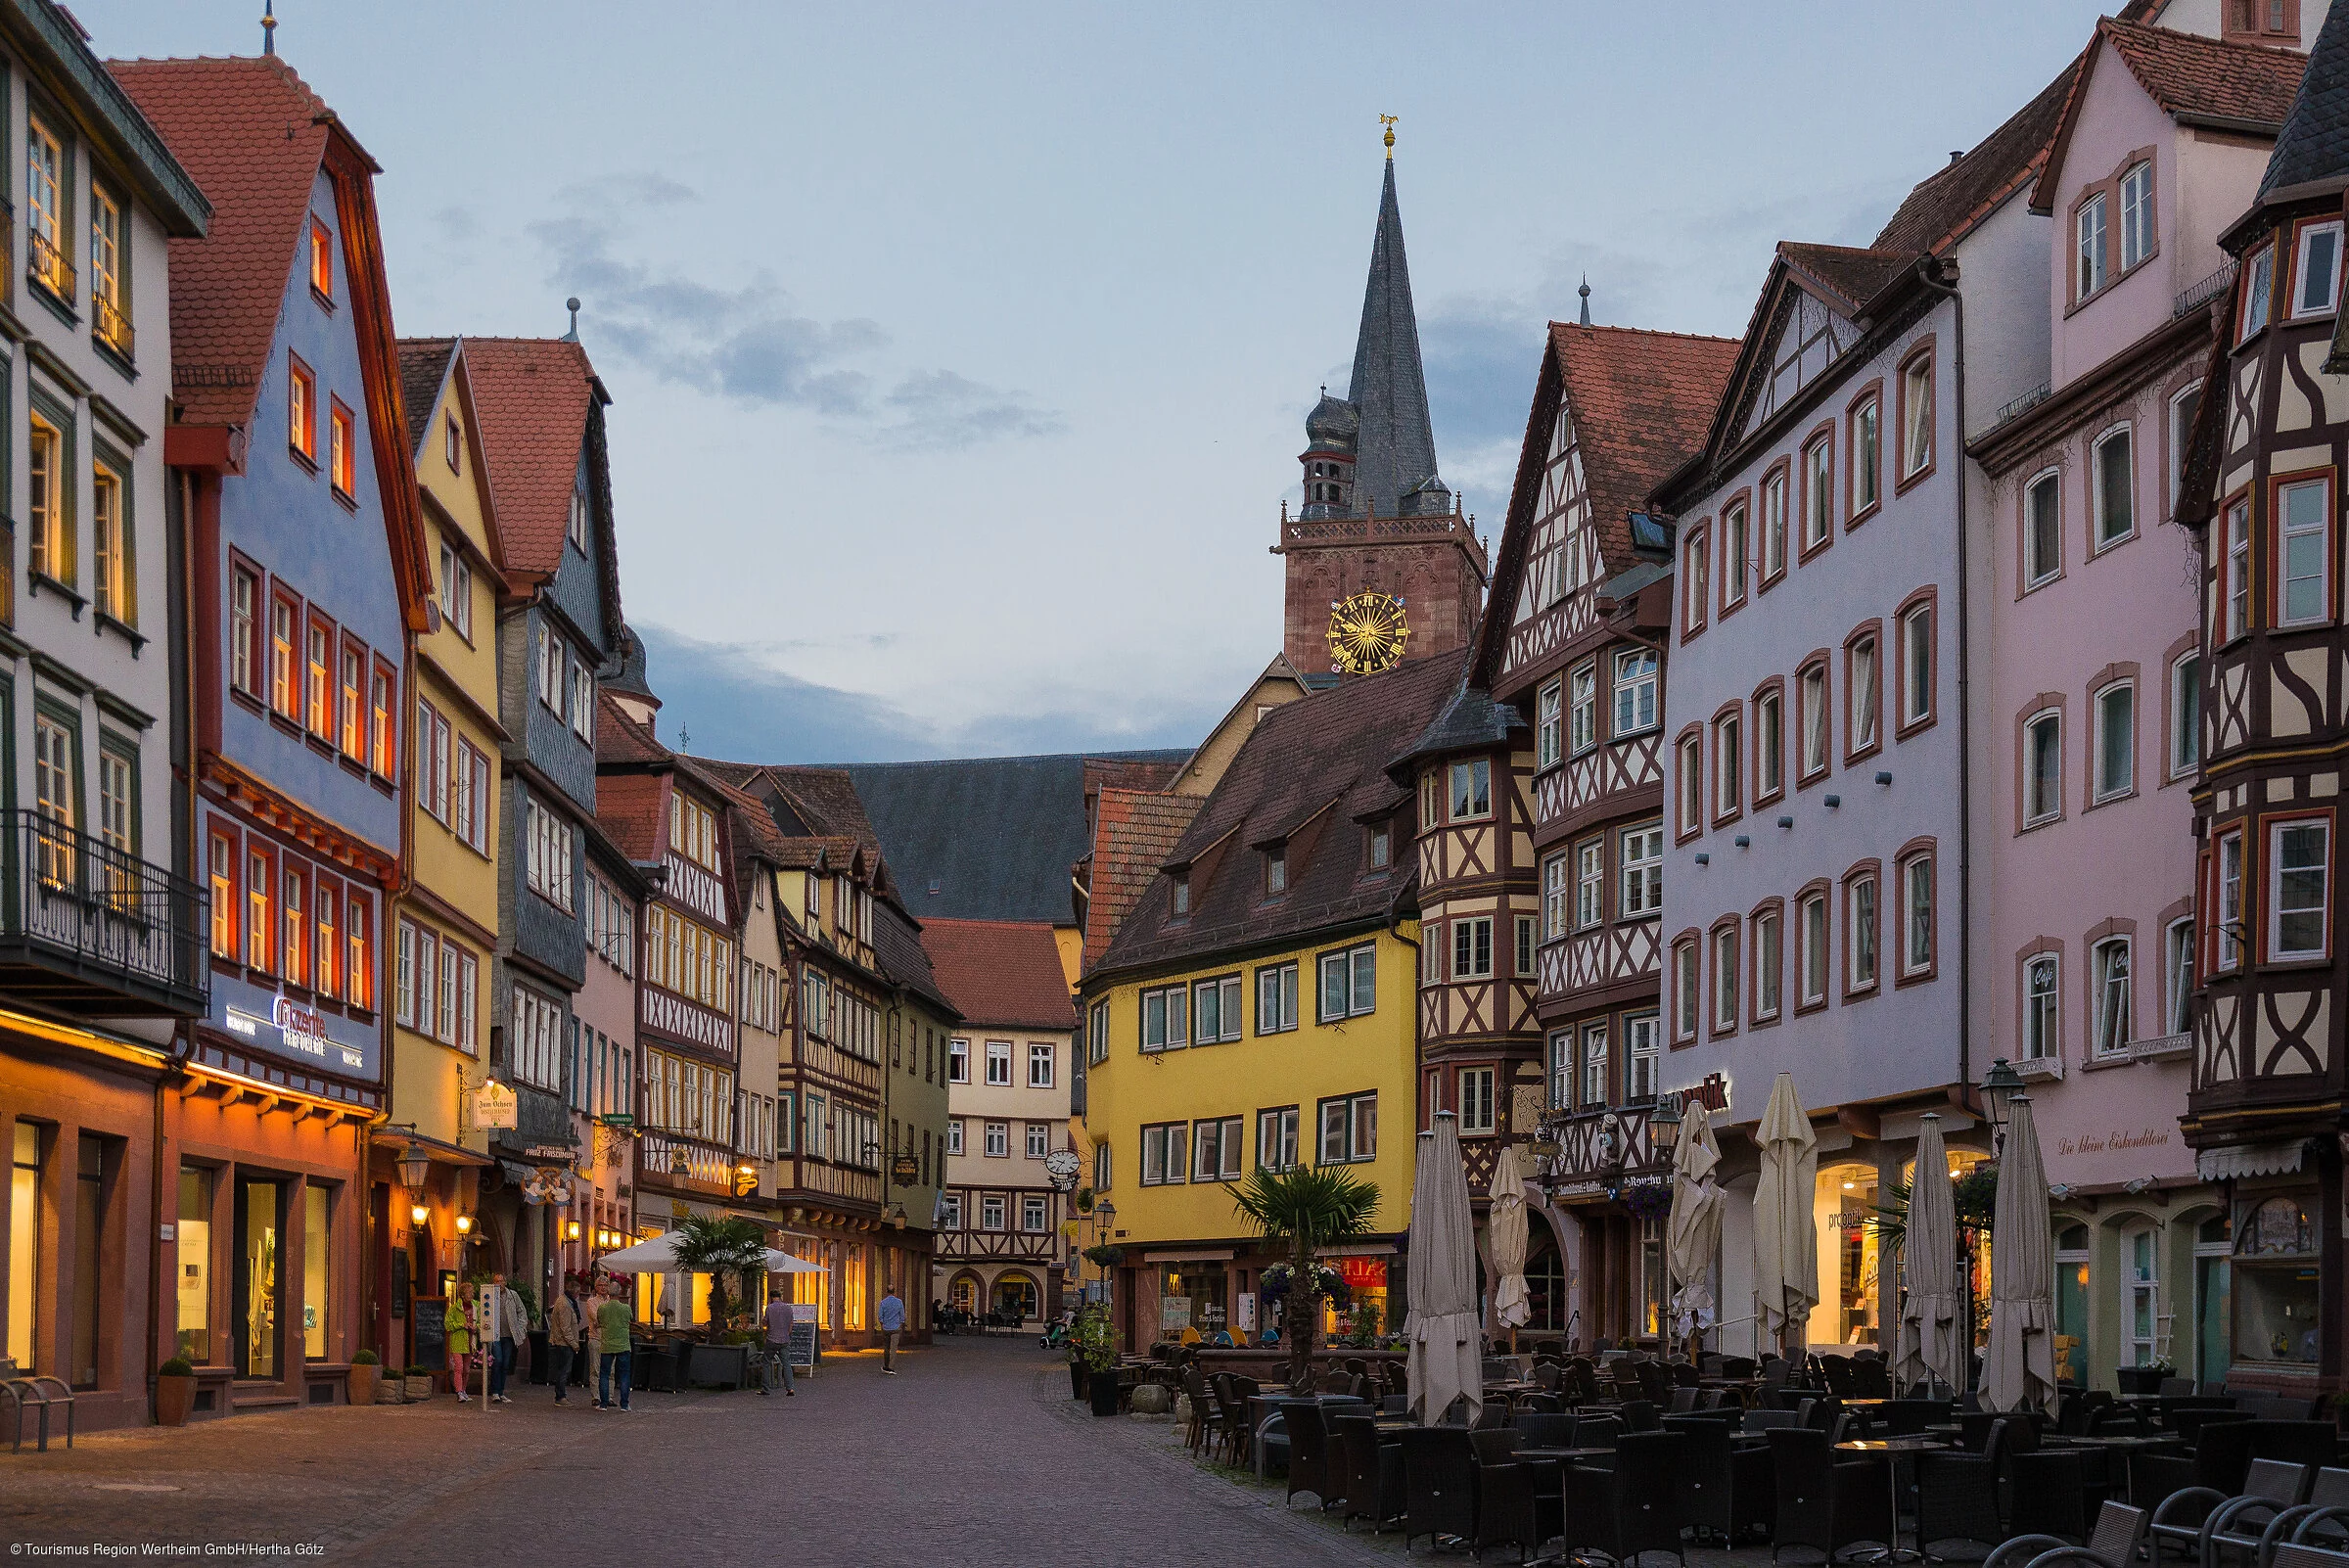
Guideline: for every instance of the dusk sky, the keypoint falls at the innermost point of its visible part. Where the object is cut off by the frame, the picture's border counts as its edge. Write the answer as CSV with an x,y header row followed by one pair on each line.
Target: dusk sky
x,y
959,356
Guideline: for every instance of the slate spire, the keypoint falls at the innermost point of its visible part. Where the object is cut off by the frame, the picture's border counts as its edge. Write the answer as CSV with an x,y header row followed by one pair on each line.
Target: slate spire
x,y
1395,463
2314,144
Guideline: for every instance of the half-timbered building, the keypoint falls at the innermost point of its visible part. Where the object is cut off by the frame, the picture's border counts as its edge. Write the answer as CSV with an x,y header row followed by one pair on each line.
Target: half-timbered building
x,y
2263,487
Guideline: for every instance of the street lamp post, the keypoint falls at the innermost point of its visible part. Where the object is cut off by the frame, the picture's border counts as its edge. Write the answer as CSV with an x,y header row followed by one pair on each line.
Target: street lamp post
x,y
1105,1218
2000,1085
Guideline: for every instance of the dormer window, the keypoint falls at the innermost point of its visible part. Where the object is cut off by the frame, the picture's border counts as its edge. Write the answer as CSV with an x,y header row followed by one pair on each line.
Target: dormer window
x,y
2317,269
579,518
2089,245
1183,894
2262,21
1276,871
1382,846
1471,790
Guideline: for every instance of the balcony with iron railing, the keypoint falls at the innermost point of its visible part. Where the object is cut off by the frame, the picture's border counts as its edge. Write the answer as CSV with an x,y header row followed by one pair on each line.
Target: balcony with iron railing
x,y
93,929
46,264
110,329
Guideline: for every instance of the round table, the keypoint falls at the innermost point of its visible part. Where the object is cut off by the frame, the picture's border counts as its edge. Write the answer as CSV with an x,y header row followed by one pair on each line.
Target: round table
x,y
1891,1448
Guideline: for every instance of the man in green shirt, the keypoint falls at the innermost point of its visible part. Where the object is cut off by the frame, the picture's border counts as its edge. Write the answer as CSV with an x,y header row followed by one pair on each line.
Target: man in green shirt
x,y
612,1326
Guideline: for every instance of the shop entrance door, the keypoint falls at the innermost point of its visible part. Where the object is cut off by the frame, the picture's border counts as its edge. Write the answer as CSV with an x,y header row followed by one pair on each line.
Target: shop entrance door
x,y
260,1221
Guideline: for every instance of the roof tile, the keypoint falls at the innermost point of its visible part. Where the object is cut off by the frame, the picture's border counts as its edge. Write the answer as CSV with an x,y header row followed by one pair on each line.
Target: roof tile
x,y
1001,973
1641,402
531,399
1133,833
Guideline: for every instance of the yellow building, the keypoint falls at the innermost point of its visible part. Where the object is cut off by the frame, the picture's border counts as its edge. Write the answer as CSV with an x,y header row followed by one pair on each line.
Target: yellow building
x,y
445,934
1256,1008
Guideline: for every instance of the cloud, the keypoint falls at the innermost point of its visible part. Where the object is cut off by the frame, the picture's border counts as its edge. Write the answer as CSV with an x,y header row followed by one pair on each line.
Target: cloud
x,y
750,345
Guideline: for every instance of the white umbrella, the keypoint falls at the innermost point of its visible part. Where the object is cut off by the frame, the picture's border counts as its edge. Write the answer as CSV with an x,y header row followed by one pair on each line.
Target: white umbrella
x,y
1786,1240
1445,1339
657,1255
1692,1234
1929,1322
1505,1221
2020,1367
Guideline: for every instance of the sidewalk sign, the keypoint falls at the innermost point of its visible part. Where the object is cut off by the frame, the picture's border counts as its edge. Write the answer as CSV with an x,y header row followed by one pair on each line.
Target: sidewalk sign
x,y
802,1336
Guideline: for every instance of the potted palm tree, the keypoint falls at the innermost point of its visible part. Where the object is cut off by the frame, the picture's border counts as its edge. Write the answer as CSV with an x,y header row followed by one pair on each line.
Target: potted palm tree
x,y
175,1392
1301,1211
732,1252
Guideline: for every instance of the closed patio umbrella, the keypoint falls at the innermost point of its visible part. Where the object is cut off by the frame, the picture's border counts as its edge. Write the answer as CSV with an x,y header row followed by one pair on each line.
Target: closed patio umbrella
x,y
1930,1328
1692,1234
2020,1367
1785,1239
657,1255
1446,1340
1505,1221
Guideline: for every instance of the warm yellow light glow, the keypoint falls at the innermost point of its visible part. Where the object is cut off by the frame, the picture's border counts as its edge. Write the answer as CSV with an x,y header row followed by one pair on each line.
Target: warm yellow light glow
x,y
1849,1185
419,1212
464,1225
571,1230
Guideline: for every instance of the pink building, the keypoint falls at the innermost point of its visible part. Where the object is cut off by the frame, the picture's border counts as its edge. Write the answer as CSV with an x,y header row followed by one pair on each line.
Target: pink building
x,y
2088,713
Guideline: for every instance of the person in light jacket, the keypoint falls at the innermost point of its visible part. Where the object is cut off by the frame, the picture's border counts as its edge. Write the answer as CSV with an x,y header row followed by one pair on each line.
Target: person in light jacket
x,y
511,1324
562,1341
460,1344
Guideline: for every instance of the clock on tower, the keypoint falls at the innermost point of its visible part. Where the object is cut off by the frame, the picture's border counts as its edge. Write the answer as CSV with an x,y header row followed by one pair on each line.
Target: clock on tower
x,y
1368,632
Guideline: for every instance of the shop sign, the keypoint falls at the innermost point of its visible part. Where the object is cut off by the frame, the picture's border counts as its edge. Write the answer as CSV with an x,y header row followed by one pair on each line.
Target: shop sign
x,y
1173,1313
290,1031
494,1105
1248,1312
1362,1273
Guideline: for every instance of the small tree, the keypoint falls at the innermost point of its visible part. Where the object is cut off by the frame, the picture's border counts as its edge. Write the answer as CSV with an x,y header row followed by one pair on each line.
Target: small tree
x,y
732,1249
1304,1210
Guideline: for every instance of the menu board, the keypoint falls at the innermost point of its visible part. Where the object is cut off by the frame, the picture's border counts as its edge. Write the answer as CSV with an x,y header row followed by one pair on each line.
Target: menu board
x,y
802,1335
432,1332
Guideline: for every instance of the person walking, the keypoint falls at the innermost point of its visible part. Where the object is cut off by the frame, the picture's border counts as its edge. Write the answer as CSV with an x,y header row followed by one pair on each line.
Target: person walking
x,y
460,1343
778,1320
612,1339
590,1292
892,1319
509,1321
562,1342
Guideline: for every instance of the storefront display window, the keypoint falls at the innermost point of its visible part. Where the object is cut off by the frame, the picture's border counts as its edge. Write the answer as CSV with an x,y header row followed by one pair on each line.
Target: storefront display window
x,y
317,1268
194,1238
1193,1297
1365,1299
25,1246
2141,1327
2212,1297
1845,1213
258,1225
2071,1304
1655,1288
2274,1278
853,1284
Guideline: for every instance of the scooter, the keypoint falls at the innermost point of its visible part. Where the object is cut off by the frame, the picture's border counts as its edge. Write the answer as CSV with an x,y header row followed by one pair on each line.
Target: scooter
x,y
1055,1337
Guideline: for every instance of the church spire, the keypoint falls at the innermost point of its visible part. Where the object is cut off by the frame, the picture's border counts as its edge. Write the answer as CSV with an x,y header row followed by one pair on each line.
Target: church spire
x,y
1395,464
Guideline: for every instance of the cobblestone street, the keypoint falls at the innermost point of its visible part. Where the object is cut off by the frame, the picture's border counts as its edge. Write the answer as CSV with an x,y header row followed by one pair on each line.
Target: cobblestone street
x,y
975,1454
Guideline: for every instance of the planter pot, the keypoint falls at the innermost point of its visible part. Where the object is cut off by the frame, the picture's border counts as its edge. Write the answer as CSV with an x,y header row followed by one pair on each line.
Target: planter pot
x,y
1076,1380
174,1396
362,1383
2141,1379
1103,1387
416,1388
391,1391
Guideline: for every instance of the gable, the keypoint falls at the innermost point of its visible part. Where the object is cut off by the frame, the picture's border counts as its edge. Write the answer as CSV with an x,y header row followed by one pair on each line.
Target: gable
x,y
1804,340
1562,556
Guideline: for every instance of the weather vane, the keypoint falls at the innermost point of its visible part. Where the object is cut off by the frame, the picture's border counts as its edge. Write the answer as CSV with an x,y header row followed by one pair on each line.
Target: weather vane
x,y
1388,121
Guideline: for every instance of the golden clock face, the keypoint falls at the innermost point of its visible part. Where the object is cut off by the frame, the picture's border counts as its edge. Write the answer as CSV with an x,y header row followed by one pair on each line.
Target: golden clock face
x,y
1367,633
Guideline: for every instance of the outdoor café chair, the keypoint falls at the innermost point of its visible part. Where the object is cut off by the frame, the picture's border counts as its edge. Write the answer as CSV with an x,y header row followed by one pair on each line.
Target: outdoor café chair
x,y
2120,1531
2270,1487
2187,1517
2048,1491
1703,1476
1621,1512
1827,1504
1308,1451
1512,1504
1374,1488
2321,1520
1544,1429
1957,1494
2294,1556
1438,1479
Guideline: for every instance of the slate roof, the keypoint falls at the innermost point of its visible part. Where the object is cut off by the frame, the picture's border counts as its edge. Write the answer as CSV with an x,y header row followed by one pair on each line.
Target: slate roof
x,y
533,395
1315,764
1394,447
1133,833
897,947
1001,971
222,120
1469,721
1944,208
996,835
1850,275
629,677
2314,144
423,367
2193,79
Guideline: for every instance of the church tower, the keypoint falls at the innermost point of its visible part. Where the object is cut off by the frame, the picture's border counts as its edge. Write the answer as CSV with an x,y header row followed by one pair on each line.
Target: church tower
x,y
1382,566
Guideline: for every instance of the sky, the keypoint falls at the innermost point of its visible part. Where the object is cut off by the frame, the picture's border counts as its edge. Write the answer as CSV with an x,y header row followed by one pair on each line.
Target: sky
x,y
959,356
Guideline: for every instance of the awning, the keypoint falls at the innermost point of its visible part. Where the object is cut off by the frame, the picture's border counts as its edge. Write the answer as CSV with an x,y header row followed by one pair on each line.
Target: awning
x,y
397,1141
2249,1160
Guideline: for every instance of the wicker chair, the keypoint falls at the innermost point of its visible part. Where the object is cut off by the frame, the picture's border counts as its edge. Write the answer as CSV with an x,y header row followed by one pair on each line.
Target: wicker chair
x,y
1308,1453
2271,1487
1238,1441
2291,1556
2320,1521
1822,1504
1707,1485
1621,1512
2188,1518
2120,1531
2047,1493
1374,1488
1957,1494
1438,1481
1544,1429
1597,1432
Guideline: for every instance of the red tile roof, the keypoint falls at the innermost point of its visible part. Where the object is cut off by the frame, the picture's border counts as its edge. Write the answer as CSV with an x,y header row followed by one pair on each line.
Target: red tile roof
x,y
1944,208
628,807
533,395
1000,973
1849,275
622,742
254,137
1133,833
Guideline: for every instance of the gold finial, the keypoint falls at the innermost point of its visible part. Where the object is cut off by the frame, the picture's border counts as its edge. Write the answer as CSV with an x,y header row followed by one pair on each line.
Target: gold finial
x,y
1388,121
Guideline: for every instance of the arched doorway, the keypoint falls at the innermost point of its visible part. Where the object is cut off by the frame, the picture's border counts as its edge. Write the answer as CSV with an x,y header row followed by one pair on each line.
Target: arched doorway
x,y
1016,1293
963,1293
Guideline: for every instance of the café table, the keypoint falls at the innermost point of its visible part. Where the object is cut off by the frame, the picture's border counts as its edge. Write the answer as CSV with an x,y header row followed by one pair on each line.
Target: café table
x,y
1564,1455
1891,1450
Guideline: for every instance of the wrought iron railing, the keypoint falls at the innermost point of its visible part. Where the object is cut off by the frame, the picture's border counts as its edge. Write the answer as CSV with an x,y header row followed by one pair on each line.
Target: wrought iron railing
x,y
2020,405
46,266
101,912
2201,293
110,328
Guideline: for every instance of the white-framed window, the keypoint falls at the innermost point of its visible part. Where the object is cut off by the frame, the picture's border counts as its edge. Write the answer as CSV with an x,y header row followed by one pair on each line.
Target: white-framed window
x,y
1916,664
1810,688
1276,998
949,1211
2303,546
2116,739
1724,980
1040,1058
1810,924
958,1061
1818,492
2178,976
2088,247
2238,568
1773,525
1097,1034
1859,690
1276,1138
1582,710
2317,270
2112,473
1035,1214
1769,968
2109,967
1380,851
1215,1010
1103,1167
2228,873
1916,412
2042,528
1685,1007
1916,914
1472,948
1166,1018
1728,765
1039,1139
1349,1129
998,1064
1476,1101
1696,581
1690,782
1216,1148
1594,1066
578,529
1635,691
456,591
1867,480
2185,405
2186,715
1471,790
1770,744
1276,871
990,1211
1348,983
2136,215
2042,766
1642,1056
2141,1295
1548,724
583,701
1561,1070
999,1141
1639,872
1860,937
2259,283
1555,897
2298,860
1590,882
954,1134
1735,564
